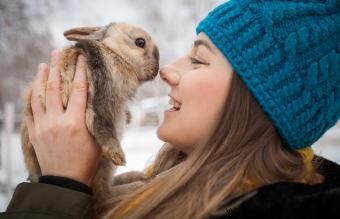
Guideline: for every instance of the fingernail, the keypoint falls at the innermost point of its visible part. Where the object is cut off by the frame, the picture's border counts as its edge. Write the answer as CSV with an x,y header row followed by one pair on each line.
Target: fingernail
x,y
54,52
81,58
40,66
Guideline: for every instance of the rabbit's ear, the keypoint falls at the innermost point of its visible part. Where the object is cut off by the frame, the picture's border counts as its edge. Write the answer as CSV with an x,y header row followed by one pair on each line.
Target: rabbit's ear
x,y
85,33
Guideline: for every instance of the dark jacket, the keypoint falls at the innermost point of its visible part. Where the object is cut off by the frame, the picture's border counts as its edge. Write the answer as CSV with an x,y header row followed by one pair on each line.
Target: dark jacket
x,y
280,200
293,200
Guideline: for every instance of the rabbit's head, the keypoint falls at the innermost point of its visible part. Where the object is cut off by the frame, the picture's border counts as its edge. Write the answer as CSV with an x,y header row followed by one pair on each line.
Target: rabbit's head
x,y
131,43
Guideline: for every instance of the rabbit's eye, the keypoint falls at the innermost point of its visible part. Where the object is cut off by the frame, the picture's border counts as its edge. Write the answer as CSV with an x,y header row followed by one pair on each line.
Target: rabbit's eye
x,y
140,42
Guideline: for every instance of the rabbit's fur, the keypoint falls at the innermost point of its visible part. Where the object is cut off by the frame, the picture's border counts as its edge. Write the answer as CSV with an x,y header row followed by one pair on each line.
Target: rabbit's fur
x,y
117,64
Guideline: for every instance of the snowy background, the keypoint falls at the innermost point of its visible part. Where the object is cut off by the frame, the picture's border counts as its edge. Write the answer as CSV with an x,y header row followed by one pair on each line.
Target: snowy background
x,y
30,29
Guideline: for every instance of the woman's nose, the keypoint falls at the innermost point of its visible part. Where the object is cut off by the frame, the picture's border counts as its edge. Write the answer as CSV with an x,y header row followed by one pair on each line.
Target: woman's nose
x,y
170,75
172,72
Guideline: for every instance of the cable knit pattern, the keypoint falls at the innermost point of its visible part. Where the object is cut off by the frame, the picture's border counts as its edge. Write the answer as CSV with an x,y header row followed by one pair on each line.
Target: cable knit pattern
x,y
288,55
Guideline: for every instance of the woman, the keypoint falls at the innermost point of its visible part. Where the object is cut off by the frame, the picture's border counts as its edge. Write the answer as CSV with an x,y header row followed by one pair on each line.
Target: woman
x,y
260,85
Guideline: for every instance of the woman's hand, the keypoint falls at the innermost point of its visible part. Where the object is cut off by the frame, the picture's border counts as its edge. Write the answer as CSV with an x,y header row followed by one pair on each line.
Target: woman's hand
x,y
61,140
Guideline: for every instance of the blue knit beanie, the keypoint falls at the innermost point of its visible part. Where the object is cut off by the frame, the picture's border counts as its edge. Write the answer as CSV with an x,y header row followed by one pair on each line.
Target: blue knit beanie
x,y
288,55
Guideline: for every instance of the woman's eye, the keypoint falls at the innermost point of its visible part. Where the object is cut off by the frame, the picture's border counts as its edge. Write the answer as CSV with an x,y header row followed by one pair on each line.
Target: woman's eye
x,y
195,61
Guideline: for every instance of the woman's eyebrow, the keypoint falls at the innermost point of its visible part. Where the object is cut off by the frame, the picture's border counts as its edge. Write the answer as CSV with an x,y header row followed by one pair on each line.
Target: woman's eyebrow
x,y
198,43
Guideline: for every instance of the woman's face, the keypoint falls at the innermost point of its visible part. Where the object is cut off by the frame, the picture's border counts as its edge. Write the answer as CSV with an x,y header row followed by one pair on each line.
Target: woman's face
x,y
199,83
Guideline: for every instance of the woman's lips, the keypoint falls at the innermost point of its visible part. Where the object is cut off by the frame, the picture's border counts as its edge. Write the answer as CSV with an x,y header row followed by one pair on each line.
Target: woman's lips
x,y
173,109
174,104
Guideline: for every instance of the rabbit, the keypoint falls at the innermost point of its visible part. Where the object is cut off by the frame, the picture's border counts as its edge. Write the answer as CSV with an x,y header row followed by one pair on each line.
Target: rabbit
x,y
119,57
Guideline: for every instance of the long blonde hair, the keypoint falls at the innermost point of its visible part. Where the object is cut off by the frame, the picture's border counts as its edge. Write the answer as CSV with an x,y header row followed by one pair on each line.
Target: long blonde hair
x,y
243,152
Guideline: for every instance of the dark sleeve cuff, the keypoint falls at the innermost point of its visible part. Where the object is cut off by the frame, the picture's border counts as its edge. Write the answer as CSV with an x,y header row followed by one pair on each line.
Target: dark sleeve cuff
x,y
66,183
40,200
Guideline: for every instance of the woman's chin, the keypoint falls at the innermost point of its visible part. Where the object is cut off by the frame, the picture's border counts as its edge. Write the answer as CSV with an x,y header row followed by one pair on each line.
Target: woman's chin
x,y
164,132
161,132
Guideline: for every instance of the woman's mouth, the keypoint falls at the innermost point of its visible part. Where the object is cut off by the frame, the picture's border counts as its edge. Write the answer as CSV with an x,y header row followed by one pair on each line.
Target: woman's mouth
x,y
175,105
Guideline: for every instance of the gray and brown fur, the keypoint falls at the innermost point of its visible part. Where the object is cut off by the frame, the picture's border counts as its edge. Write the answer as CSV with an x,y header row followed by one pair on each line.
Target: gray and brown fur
x,y
116,67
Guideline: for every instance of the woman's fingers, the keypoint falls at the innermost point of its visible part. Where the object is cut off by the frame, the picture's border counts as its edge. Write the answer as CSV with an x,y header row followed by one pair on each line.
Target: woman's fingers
x,y
78,97
30,128
53,98
38,91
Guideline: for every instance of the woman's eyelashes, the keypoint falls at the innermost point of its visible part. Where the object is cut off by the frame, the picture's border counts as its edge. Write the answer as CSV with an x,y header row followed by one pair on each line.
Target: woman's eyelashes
x,y
196,61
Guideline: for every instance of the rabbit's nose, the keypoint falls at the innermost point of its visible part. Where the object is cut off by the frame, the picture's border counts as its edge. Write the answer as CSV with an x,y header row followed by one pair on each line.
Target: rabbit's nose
x,y
155,53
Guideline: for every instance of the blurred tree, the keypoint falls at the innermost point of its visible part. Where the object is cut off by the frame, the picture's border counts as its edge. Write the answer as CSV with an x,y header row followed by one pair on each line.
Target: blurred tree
x,y
24,42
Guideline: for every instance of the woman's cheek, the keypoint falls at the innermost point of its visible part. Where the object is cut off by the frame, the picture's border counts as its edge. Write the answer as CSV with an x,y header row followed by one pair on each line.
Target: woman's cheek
x,y
203,99
205,92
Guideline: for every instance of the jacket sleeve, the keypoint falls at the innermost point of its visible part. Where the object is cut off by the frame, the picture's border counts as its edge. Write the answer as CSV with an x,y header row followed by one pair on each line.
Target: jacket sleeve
x,y
39,200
